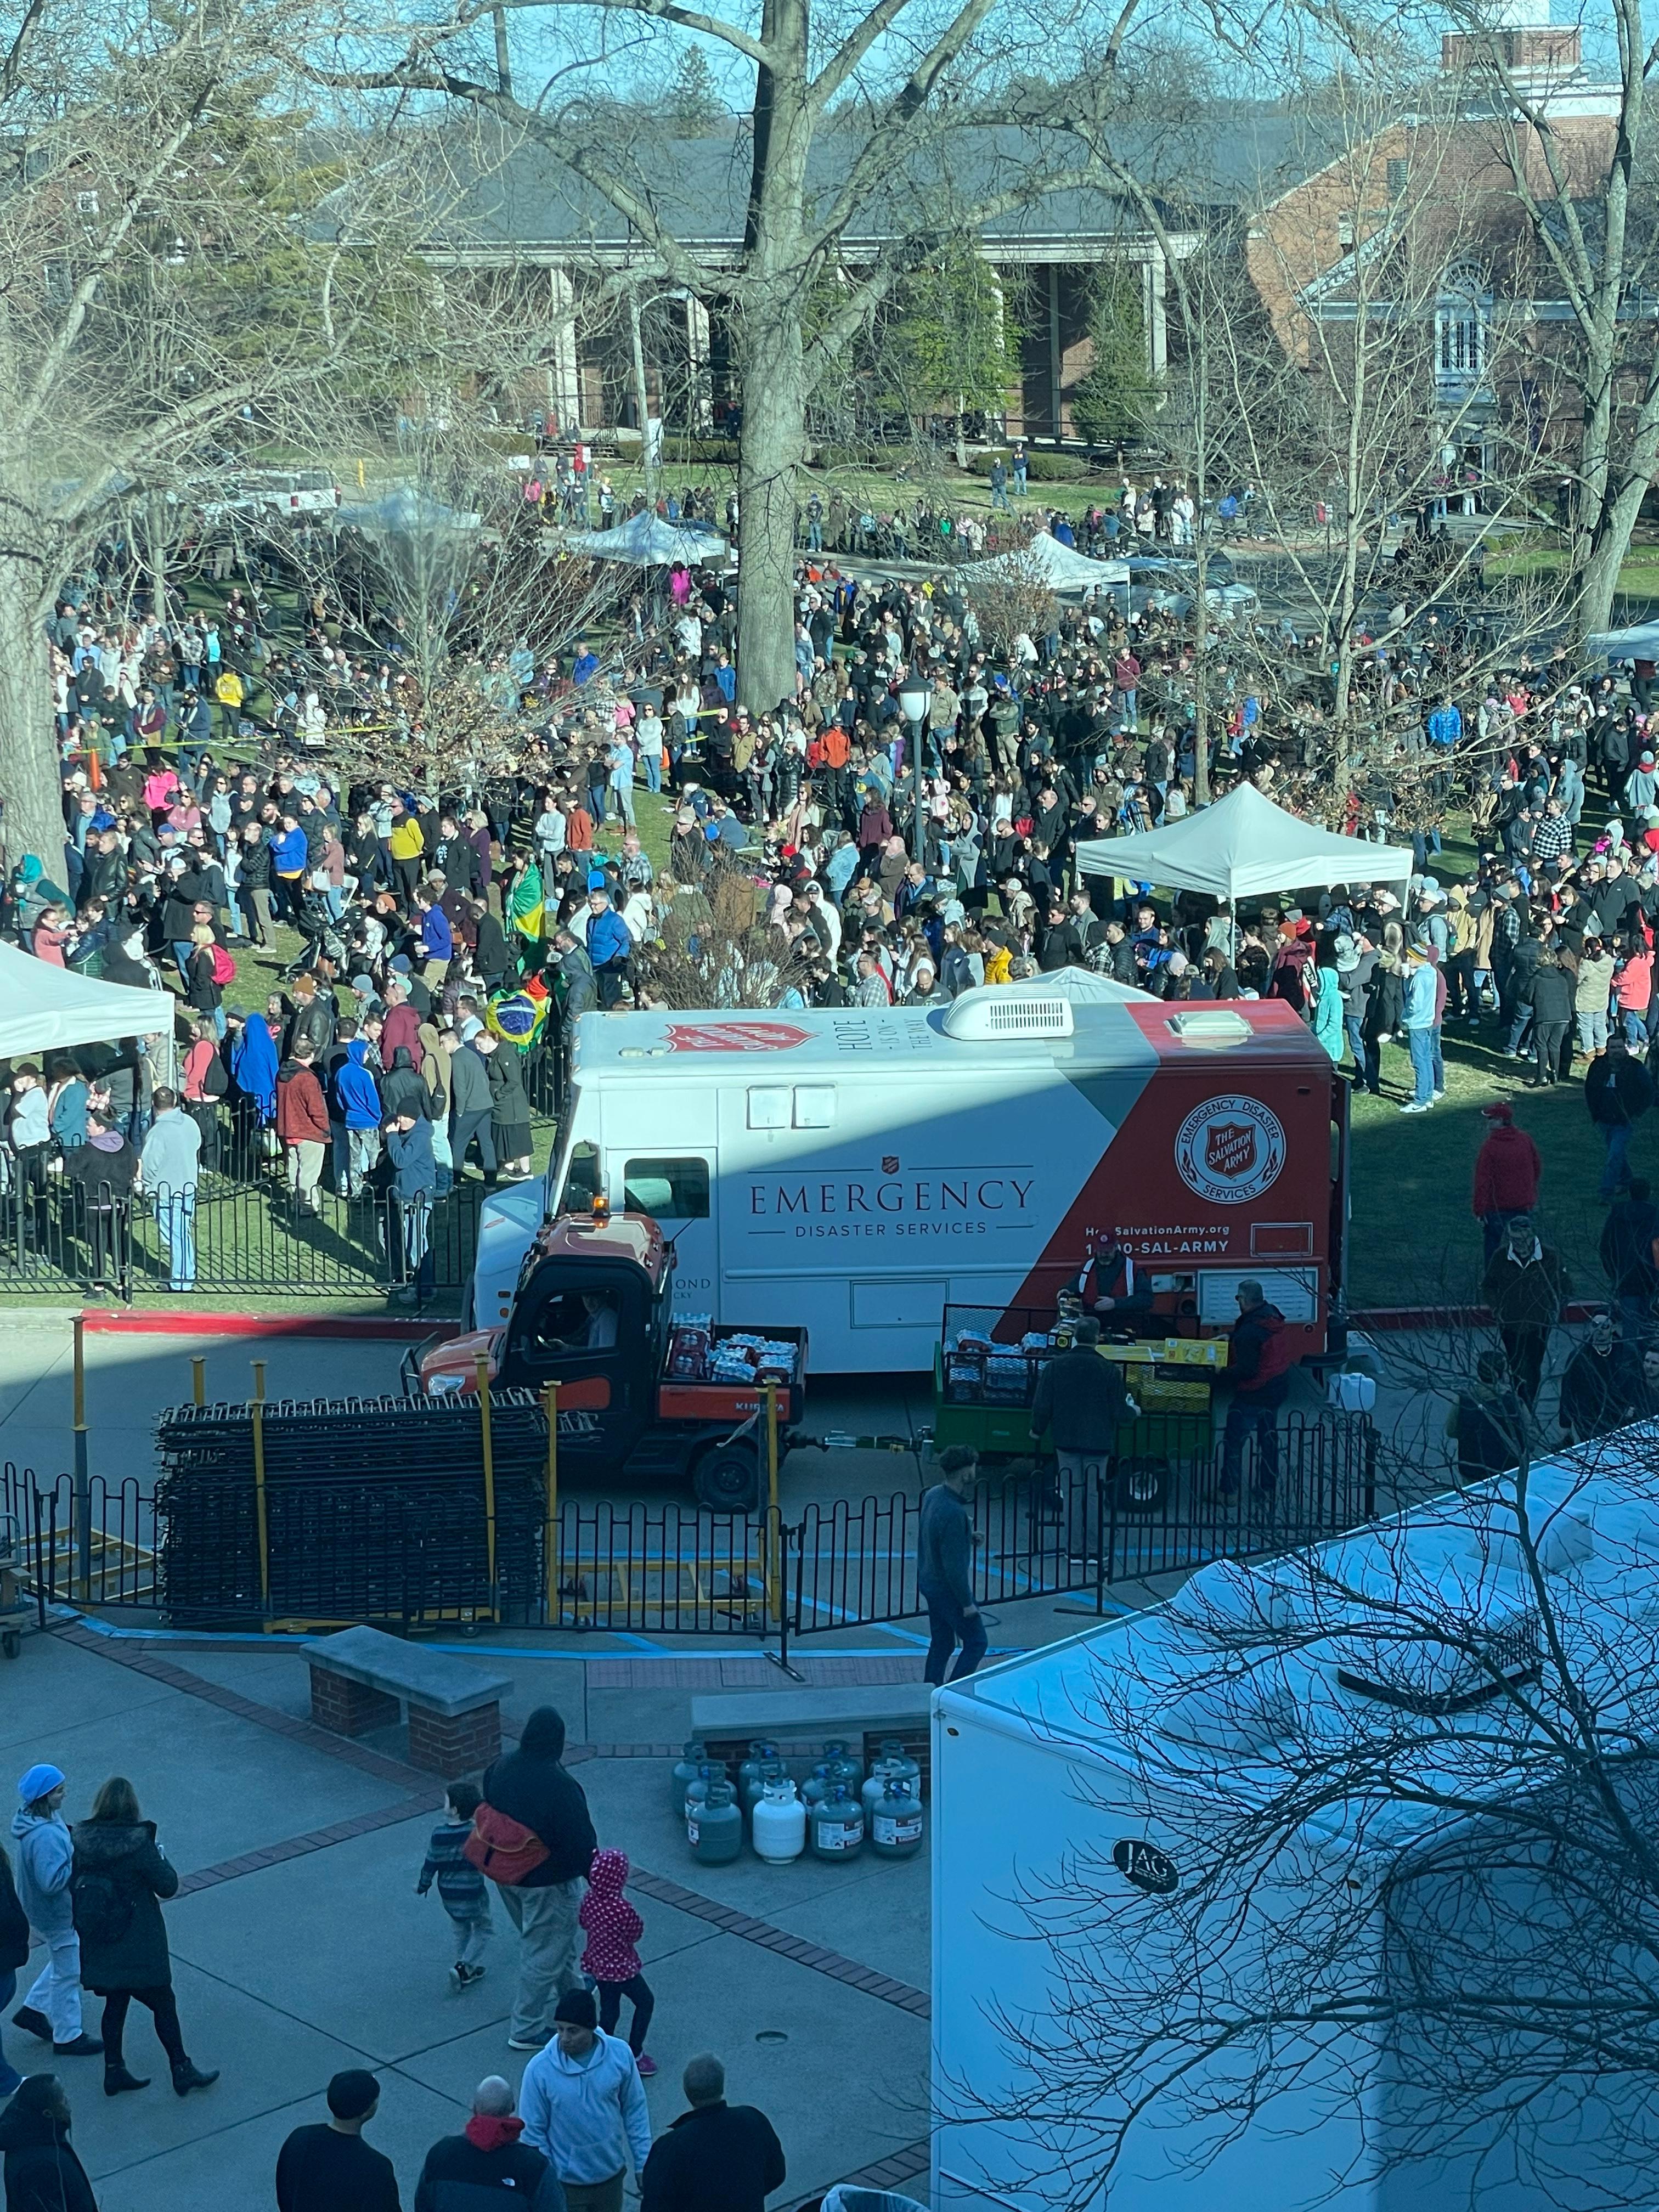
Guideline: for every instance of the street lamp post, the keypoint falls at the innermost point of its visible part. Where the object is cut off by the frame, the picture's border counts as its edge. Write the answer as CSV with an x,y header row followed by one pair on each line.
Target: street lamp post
x,y
913,699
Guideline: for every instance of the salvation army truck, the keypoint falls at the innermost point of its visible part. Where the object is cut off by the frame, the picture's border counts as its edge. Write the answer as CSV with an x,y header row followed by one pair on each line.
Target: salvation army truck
x,y
853,1171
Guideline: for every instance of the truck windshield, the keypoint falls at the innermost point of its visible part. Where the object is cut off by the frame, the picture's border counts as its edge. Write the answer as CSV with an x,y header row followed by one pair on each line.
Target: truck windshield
x,y
580,1184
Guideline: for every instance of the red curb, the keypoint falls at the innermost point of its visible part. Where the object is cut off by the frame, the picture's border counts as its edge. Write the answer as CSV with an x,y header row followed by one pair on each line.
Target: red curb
x,y
386,1328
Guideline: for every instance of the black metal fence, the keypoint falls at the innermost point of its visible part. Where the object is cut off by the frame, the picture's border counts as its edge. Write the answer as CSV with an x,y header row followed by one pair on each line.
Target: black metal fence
x,y
247,1231
409,1551
257,1238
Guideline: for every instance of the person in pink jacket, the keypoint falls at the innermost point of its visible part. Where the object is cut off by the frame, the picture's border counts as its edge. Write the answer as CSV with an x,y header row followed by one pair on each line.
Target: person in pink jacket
x,y
613,1930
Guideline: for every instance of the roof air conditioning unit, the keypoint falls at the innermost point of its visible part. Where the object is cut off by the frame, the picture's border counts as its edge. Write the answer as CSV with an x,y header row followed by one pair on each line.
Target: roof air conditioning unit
x,y
1400,1665
978,1017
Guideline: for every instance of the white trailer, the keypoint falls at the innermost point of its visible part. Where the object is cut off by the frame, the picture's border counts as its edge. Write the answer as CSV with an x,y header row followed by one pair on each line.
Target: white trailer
x,y
855,1170
1113,1766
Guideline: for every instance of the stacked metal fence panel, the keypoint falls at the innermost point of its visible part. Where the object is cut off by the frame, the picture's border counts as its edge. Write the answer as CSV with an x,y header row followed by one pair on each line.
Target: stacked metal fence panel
x,y
360,1509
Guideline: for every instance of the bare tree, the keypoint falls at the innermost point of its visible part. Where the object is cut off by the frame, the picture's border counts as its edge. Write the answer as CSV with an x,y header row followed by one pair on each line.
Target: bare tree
x,y
1398,1791
856,167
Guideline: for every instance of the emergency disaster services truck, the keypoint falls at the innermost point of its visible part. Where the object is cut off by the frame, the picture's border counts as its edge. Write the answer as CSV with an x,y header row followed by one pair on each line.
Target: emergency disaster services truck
x,y
853,1170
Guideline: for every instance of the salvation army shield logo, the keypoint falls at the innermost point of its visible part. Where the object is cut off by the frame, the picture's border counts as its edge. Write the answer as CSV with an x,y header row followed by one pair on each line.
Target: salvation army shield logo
x,y
734,1036
1229,1150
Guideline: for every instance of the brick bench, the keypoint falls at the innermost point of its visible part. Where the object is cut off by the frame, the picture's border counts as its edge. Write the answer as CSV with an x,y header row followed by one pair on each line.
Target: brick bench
x,y
803,1719
361,1678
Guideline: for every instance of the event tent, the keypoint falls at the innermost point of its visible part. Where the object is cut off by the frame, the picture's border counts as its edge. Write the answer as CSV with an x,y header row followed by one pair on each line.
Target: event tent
x,y
1639,644
645,541
1062,568
47,1009
1240,847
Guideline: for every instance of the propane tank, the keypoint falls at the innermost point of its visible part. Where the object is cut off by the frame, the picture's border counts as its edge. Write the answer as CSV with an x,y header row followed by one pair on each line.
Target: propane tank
x,y
846,1766
749,1773
768,1771
708,1773
816,1786
836,1824
778,1823
895,1821
892,1762
687,1768
714,1826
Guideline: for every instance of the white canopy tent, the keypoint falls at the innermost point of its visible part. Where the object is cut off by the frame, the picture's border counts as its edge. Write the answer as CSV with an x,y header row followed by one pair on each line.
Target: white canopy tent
x,y
645,541
1242,847
46,1009
1640,642
1045,560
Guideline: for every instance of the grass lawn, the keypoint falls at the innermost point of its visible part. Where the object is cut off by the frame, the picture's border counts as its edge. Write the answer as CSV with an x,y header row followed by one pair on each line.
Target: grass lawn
x,y
1413,1239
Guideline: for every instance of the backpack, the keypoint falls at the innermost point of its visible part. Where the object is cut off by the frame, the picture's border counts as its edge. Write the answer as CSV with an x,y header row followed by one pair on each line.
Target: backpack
x,y
503,1848
224,968
101,1906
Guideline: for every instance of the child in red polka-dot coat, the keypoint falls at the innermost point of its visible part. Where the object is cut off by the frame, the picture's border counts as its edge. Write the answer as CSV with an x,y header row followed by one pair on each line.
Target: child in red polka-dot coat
x,y
613,1929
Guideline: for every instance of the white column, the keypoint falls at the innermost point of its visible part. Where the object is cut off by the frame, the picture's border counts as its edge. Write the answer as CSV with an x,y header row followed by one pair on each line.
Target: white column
x,y
1154,277
563,384
698,370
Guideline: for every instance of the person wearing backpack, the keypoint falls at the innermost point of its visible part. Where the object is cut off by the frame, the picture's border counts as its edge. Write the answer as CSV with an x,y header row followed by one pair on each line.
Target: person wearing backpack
x,y
51,2010
119,1875
533,1837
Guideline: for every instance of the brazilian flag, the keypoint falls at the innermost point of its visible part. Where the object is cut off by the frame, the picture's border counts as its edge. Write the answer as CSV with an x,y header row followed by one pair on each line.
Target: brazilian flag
x,y
526,908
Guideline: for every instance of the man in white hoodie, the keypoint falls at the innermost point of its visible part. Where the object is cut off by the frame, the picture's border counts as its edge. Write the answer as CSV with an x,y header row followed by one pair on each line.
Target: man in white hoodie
x,y
583,2106
46,1862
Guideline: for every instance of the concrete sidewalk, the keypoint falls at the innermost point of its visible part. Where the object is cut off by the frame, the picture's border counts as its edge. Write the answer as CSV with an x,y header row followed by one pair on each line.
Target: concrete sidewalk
x,y
300,1946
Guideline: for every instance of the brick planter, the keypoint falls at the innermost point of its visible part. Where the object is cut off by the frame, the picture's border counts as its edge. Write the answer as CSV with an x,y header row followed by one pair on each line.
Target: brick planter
x,y
348,1708
454,1745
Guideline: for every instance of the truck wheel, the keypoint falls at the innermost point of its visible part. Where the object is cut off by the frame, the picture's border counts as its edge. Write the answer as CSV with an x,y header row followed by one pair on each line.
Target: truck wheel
x,y
726,1480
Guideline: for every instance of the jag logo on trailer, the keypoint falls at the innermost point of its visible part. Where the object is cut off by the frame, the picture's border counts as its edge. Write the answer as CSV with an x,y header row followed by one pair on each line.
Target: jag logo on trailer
x,y
1231,1150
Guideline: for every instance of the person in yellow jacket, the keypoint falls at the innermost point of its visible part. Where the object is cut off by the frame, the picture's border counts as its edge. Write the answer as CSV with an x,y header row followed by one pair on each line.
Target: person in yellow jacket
x,y
227,690
999,961
406,846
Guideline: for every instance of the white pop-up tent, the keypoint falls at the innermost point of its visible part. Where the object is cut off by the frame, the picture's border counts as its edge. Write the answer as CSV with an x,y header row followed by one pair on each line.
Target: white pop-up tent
x,y
1641,642
645,541
46,1009
1046,561
1241,848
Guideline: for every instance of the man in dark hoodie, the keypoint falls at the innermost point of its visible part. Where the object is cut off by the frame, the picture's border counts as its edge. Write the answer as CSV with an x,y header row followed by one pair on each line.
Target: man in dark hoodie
x,y
469,2171
530,1785
403,1088
42,2172
1258,1365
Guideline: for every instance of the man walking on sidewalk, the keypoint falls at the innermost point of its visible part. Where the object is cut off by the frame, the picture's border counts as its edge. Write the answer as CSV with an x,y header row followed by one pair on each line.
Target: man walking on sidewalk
x,y
530,1792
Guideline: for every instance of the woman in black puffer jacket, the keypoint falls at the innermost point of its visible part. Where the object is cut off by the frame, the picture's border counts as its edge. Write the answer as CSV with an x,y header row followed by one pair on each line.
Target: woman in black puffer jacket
x,y
120,1875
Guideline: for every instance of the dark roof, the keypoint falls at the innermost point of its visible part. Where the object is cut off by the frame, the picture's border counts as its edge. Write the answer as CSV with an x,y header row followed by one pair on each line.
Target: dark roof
x,y
495,193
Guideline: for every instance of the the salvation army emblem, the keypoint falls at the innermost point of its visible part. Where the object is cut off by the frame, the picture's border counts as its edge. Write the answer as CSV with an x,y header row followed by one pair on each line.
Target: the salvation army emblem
x,y
733,1036
1229,1150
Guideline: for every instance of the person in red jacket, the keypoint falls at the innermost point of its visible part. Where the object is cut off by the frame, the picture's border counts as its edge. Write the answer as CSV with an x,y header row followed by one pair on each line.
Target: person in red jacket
x,y
1507,1173
302,1123
1257,1363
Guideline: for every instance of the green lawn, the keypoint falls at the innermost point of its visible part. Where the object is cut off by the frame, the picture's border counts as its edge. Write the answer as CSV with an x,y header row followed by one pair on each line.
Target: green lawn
x,y
1412,1238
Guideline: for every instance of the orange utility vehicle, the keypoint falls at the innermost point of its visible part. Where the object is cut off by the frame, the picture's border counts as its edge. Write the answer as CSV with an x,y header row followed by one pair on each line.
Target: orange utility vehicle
x,y
642,1394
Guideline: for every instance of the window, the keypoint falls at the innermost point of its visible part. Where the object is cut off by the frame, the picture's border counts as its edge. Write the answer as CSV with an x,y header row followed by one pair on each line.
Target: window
x,y
1399,178
670,1190
86,203
815,1106
581,1179
769,1109
1460,325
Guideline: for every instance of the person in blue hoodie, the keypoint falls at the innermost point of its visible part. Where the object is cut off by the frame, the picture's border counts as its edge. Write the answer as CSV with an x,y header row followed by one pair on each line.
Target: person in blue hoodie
x,y
253,1070
415,1171
46,1862
354,1098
